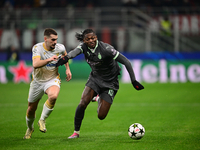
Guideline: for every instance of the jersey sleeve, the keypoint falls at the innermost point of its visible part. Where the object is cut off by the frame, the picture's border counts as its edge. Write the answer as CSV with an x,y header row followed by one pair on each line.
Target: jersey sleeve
x,y
112,51
75,52
63,52
35,52
123,60
80,46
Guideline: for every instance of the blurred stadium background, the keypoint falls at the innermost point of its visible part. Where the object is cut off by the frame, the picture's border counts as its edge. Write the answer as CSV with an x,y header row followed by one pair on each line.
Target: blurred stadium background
x,y
160,37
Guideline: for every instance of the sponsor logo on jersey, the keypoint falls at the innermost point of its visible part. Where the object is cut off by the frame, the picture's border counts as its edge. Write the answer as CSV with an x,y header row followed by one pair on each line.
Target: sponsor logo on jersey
x,y
92,63
50,65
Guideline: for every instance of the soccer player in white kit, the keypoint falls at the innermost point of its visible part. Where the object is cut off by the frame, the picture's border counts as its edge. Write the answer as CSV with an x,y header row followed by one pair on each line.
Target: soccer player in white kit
x,y
46,79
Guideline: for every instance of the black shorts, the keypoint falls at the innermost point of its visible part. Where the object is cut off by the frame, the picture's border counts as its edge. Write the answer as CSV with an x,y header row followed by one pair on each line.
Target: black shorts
x,y
105,90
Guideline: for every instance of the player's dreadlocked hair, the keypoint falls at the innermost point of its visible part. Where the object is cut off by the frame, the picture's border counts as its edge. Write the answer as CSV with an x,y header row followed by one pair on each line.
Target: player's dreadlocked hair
x,y
80,36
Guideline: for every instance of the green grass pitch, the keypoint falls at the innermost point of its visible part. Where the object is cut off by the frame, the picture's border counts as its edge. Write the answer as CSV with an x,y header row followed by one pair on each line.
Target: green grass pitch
x,y
169,112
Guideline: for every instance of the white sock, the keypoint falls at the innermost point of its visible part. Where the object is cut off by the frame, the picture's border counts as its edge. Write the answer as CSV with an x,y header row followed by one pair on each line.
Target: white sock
x,y
29,122
78,132
97,99
45,112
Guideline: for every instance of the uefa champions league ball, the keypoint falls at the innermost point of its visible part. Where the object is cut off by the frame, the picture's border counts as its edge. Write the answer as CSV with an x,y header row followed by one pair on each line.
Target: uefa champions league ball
x,y
136,131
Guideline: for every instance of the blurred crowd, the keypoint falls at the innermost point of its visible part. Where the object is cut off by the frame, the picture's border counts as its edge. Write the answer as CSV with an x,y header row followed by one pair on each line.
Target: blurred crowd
x,y
11,18
162,3
47,3
165,6
98,3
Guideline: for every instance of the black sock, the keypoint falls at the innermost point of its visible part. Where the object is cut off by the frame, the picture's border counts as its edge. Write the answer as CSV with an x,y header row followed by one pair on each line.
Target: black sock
x,y
80,111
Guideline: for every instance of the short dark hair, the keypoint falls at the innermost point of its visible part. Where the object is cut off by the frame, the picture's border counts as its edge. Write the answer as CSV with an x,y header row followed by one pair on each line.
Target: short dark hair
x,y
49,31
80,36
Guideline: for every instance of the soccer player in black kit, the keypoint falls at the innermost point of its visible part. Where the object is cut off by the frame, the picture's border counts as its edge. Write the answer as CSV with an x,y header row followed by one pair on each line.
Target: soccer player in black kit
x,y
103,79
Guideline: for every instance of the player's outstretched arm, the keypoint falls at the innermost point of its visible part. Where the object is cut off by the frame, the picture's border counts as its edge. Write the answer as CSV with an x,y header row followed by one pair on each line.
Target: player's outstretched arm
x,y
123,60
70,55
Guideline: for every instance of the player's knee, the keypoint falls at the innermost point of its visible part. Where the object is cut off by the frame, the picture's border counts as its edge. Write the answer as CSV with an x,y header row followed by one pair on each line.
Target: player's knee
x,y
53,97
83,103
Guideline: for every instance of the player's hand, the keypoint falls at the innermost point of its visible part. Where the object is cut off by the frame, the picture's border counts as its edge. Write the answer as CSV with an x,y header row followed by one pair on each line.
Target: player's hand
x,y
137,85
53,58
62,61
68,75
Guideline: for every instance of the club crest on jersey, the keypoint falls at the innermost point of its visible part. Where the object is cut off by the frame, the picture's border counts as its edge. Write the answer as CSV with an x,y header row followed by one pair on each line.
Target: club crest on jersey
x,y
111,92
99,56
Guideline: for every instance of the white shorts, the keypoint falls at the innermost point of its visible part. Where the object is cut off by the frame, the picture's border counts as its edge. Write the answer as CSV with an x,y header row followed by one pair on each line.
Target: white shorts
x,y
37,89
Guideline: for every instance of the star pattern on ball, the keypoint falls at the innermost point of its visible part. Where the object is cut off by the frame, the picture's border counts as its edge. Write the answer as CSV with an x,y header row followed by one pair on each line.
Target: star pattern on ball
x,y
141,131
133,133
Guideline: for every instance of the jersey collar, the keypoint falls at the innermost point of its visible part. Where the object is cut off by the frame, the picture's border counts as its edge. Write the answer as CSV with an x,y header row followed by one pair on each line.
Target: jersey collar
x,y
94,48
45,47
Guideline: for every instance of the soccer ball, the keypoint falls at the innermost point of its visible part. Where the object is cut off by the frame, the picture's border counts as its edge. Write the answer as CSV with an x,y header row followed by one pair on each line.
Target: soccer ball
x,y
136,131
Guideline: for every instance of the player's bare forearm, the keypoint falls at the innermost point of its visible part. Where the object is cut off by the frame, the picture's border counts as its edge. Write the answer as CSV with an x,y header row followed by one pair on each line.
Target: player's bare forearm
x,y
68,72
37,63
